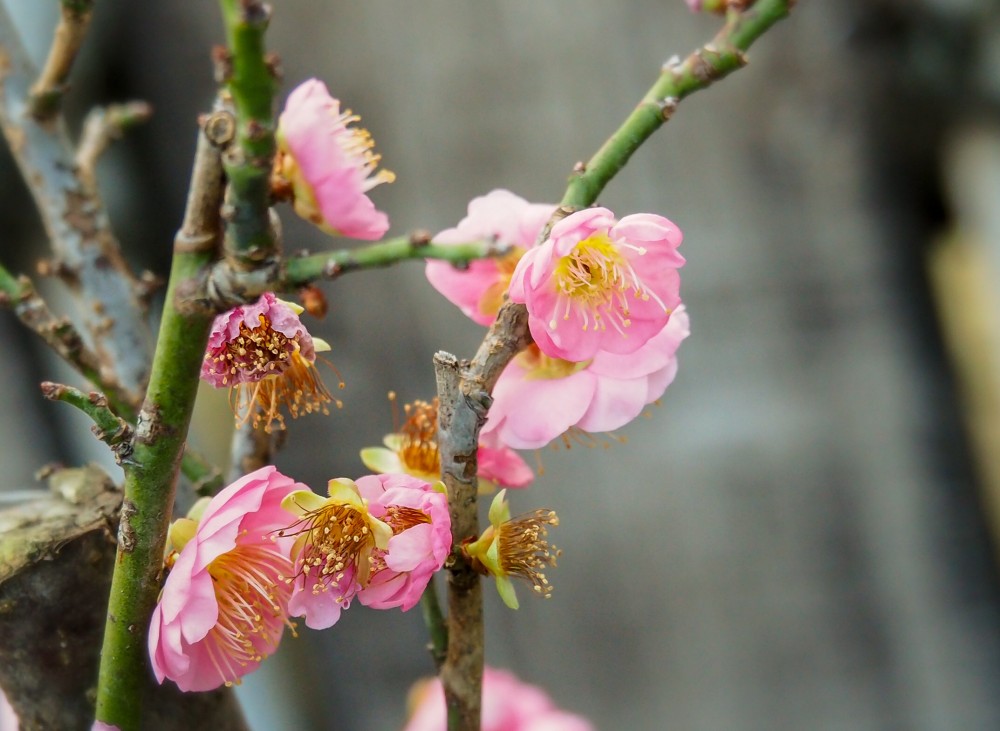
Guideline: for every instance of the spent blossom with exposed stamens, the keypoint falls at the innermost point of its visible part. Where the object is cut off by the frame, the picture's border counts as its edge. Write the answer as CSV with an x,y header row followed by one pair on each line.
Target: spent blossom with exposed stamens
x,y
335,540
538,398
328,164
479,288
263,353
414,450
417,513
508,705
224,604
515,547
598,284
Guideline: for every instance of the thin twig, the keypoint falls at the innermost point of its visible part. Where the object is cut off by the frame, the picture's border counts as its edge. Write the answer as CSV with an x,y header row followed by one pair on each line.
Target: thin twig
x,y
101,127
437,625
464,387
19,294
110,429
112,312
47,92
417,245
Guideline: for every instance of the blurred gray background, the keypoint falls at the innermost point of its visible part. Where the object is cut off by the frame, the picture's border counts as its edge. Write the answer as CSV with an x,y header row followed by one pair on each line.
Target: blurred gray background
x,y
794,538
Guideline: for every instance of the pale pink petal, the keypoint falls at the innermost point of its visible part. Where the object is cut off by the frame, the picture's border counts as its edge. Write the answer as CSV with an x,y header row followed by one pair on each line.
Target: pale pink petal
x,y
504,467
528,414
410,549
615,403
320,610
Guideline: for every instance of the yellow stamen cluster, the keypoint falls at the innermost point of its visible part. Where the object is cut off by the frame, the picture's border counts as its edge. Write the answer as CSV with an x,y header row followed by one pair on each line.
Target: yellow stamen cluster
x,y
400,518
524,549
252,606
336,537
358,144
418,450
595,279
297,389
254,353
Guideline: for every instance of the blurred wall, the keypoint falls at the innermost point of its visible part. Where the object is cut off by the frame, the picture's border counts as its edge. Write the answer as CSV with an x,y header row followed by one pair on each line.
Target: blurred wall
x,y
792,539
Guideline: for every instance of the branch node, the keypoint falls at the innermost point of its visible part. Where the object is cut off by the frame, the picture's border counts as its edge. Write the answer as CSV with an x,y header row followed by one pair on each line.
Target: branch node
x,y
220,128
420,238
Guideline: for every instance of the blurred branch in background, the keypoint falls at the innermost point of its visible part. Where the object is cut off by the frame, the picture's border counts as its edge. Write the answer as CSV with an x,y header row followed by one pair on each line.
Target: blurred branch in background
x,y
87,257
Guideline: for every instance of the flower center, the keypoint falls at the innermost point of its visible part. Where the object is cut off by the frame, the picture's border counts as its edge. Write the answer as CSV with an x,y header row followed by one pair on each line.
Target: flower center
x,y
400,518
418,448
543,367
253,603
594,279
493,297
297,389
337,548
357,144
251,355
524,550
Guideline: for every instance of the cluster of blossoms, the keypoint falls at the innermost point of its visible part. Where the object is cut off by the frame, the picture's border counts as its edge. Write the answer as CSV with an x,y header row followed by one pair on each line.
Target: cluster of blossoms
x,y
604,311
266,549
605,315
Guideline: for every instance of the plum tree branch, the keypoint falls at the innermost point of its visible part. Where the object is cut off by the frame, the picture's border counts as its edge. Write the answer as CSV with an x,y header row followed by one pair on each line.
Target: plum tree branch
x,y
464,387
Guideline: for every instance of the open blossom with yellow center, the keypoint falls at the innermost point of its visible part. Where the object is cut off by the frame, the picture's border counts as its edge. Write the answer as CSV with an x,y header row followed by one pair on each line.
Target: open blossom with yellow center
x,y
600,285
263,353
224,604
413,450
329,164
335,539
515,547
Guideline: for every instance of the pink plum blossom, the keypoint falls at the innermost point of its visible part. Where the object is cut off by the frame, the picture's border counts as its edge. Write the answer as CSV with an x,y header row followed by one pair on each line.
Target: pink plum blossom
x,y
329,164
250,342
537,398
418,514
600,285
335,541
265,355
508,705
414,451
223,606
478,290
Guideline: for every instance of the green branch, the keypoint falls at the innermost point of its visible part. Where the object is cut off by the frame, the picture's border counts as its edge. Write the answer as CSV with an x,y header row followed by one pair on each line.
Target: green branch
x,y
149,493
250,78
437,625
708,64
161,430
297,272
